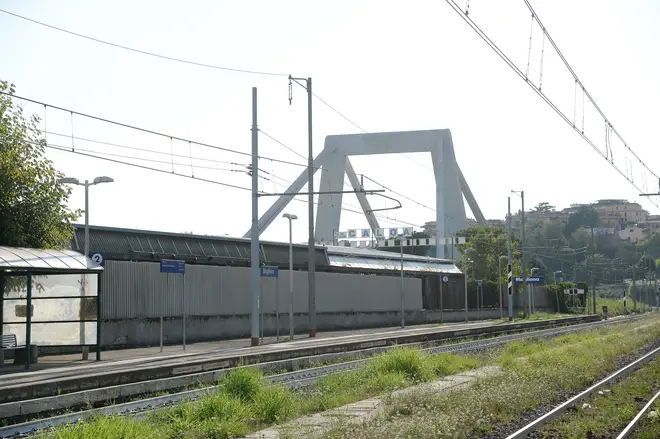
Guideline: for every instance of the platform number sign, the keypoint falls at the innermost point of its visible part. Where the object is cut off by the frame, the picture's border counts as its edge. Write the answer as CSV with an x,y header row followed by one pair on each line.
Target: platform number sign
x,y
98,257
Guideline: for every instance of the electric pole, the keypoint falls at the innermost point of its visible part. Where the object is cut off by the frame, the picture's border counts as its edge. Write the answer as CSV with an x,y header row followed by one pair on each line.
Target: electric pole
x,y
311,255
255,275
510,263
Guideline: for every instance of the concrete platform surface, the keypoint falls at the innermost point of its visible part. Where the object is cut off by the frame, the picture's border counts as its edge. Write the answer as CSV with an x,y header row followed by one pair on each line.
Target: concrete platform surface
x,y
61,366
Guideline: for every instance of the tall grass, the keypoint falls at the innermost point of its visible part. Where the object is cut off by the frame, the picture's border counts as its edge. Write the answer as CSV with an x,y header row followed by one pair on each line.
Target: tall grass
x,y
534,373
247,403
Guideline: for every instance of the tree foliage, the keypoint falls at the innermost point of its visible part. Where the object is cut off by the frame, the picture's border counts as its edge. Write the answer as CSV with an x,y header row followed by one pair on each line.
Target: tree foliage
x,y
33,209
488,243
544,207
585,217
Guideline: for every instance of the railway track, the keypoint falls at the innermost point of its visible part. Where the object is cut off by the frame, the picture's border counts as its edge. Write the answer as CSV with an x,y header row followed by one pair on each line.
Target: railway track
x,y
630,428
566,405
296,379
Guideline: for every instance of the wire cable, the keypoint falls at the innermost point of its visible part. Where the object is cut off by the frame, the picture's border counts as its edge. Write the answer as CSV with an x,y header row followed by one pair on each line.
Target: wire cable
x,y
144,52
135,148
521,74
282,144
120,162
343,116
156,133
593,102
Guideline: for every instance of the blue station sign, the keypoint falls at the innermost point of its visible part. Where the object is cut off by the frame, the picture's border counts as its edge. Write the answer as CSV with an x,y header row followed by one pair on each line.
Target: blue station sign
x,y
172,266
531,280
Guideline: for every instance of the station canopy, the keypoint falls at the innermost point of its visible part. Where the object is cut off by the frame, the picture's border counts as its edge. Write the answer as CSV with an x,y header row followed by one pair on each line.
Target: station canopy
x,y
22,261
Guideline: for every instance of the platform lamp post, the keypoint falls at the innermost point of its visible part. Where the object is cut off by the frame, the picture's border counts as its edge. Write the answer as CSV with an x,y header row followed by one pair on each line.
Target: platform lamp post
x,y
86,184
554,276
468,251
499,285
403,315
290,217
533,287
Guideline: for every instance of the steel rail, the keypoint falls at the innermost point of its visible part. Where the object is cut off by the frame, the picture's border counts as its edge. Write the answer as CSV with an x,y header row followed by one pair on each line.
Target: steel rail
x,y
629,428
560,409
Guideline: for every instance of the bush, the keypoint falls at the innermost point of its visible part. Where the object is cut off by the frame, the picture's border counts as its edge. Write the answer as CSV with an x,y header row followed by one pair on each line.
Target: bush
x,y
407,361
274,404
243,383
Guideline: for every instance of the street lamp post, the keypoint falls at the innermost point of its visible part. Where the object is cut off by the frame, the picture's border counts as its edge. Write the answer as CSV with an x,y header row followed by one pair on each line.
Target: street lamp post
x,y
468,251
86,184
403,315
533,271
465,278
499,286
554,275
290,218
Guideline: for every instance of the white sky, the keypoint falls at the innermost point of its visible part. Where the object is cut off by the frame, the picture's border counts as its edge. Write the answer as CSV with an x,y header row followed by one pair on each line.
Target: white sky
x,y
388,66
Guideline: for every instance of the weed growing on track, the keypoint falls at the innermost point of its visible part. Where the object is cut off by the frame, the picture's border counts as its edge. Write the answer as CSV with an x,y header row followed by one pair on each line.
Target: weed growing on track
x,y
534,372
247,403
610,411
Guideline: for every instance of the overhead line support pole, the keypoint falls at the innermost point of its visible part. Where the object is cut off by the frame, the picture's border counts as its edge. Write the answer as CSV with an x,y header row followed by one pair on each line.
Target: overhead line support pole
x,y
255,277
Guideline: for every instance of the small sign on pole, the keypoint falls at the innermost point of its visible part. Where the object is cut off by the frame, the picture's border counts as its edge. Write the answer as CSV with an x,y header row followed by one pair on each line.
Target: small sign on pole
x,y
170,266
98,257
270,271
531,280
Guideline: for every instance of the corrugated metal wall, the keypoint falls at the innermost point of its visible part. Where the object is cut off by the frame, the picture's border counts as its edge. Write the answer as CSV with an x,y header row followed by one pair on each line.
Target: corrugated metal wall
x,y
139,290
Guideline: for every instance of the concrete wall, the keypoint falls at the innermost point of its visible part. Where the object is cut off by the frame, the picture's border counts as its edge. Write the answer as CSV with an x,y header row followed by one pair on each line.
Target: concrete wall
x,y
145,332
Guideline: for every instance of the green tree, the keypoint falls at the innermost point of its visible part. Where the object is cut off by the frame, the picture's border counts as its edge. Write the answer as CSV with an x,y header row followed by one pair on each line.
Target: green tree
x,y
584,217
33,209
544,207
489,243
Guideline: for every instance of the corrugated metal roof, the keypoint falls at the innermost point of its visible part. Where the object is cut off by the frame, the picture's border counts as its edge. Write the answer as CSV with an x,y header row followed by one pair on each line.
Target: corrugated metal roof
x,y
393,264
351,251
146,245
45,261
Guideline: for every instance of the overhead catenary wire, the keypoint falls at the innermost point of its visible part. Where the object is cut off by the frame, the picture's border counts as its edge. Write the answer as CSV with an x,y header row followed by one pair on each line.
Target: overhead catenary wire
x,y
175,59
195,63
522,75
135,148
145,52
348,185
135,165
148,131
587,94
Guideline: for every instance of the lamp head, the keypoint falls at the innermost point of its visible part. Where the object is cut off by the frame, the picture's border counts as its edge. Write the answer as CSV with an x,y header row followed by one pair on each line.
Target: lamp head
x,y
69,180
290,216
98,180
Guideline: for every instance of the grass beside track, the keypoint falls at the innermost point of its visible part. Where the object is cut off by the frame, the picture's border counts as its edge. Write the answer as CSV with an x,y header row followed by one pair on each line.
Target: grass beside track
x,y
535,372
247,403
608,412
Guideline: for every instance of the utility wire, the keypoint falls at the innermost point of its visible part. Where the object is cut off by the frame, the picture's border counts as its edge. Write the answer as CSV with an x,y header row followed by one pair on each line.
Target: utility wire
x,y
521,74
134,148
348,185
200,65
120,162
144,52
282,144
343,116
156,133
195,63
384,218
593,102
